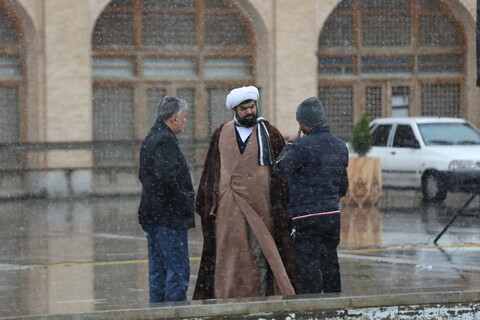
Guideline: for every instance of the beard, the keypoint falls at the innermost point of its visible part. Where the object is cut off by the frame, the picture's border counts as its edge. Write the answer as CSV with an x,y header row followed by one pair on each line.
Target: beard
x,y
247,121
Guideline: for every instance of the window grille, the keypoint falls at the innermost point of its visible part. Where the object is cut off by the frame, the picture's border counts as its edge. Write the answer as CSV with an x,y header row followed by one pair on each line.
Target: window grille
x,y
112,67
154,96
338,104
113,120
439,64
400,101
224,29
386,23
188,95
168,28
345,6
8,32
170,68
335,65
187,137
189,4
382,30
386,65
114,28
337,30
175,45
9,67
10,90
386,5
395,44
218,112
373,102
227,68
440,100
429,5
215,4
438,30
121,4
9,124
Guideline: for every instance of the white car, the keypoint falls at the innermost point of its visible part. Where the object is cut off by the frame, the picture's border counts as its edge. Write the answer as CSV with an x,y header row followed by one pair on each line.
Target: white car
x,y
436,155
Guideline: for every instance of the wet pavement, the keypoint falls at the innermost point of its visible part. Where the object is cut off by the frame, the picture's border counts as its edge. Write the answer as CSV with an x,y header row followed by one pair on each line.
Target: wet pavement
x,y
90,254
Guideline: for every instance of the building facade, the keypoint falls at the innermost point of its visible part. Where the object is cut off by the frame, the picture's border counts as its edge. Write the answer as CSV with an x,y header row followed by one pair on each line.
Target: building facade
x,y
80,80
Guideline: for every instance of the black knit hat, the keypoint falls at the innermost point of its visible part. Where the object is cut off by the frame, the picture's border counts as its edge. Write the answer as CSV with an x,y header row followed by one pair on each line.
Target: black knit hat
x,y
310,113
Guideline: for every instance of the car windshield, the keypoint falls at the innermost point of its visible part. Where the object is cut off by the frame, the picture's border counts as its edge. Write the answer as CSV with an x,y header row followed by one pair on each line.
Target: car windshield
x,y
449,134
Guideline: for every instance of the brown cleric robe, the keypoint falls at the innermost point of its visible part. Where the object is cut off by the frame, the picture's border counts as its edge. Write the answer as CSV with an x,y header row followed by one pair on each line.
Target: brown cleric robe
x,y
244,196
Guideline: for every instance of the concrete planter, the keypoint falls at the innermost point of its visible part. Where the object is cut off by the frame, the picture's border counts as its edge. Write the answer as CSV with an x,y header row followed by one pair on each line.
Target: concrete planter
x,y
365,182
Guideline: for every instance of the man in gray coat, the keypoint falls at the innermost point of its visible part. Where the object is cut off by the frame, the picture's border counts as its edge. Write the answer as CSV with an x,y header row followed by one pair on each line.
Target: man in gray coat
x,y
166,207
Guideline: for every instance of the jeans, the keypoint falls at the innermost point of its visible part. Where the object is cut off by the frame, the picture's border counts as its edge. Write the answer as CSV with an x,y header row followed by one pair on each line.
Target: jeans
x,y
316,252
168,263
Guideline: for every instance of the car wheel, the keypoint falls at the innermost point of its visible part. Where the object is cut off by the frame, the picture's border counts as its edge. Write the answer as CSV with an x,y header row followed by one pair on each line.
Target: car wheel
x,y
433,187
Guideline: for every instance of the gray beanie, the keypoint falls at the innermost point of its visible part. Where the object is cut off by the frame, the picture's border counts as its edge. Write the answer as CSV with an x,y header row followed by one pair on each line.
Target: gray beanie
x,y
310,113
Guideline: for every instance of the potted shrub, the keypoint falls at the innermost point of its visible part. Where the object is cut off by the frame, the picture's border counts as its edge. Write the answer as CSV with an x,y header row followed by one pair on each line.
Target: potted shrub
x,y
361,137
364,173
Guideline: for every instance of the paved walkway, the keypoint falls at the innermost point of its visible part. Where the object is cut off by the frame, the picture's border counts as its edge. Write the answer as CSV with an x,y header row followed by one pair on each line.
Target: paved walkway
x,y
89,256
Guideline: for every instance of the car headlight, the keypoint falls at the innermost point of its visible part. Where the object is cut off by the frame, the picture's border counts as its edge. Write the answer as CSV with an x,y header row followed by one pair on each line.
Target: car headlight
x,y
464,165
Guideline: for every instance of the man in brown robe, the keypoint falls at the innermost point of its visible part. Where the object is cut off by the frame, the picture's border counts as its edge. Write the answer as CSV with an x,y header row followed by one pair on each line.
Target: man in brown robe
x,y
247,250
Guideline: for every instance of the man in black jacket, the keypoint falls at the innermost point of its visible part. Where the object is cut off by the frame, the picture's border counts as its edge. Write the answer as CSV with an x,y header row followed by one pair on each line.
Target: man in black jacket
x,y
315,167
166,207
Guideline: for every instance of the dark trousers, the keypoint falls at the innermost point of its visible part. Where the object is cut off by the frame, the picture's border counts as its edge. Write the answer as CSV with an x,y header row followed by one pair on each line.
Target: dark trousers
x,y
316,252
168,263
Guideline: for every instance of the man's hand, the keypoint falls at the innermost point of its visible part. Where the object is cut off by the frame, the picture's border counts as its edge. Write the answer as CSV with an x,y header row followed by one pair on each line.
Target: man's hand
x,y
212,211
295,136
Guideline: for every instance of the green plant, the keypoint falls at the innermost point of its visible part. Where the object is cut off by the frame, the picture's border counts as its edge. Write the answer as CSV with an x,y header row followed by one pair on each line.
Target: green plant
x,y
361,137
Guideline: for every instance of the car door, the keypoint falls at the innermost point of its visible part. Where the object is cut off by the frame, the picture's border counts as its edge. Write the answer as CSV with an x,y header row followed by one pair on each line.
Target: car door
x,y
404,157
380,149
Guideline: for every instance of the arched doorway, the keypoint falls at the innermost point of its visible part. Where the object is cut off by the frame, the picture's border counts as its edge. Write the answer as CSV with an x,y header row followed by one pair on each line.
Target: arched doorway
x,y
146,49
390,59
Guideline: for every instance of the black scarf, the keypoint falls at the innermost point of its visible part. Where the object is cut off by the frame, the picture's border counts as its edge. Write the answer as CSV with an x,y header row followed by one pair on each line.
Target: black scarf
x,y
265,150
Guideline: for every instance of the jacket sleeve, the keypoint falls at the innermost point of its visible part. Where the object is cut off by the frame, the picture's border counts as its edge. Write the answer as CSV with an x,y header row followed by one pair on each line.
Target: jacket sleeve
x,y
278,145
343,182
288,161
166,161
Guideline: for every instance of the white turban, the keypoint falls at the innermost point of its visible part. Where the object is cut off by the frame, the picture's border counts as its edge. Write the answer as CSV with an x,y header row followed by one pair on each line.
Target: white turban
x,y
238,95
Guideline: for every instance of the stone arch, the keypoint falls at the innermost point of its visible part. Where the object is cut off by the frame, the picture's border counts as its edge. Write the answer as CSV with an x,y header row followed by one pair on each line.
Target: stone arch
x,y
19,119
204,67
390,59
466,18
